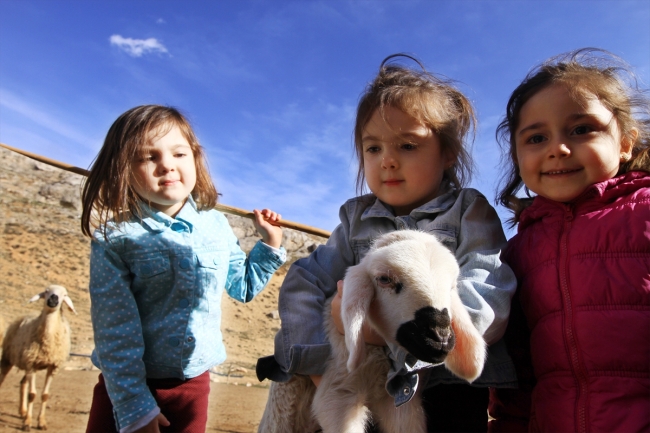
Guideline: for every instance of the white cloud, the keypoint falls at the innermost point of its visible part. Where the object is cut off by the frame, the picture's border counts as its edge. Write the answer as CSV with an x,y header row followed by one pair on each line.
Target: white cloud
x,y
137,47
161,21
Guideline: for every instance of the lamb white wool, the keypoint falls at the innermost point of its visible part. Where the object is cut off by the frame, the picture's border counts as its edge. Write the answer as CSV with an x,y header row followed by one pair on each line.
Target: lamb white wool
x,y
405,289
38,343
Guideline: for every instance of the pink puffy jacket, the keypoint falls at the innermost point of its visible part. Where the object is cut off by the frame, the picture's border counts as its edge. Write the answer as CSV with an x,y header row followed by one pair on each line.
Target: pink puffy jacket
x,y
584,290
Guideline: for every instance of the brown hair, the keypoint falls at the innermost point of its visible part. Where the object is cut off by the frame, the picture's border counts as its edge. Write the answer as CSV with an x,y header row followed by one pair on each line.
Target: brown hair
x,y
431,100
108,192
586,73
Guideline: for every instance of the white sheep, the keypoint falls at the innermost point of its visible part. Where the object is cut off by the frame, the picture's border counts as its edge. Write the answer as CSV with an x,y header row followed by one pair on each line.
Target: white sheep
x,y
405,289
38,343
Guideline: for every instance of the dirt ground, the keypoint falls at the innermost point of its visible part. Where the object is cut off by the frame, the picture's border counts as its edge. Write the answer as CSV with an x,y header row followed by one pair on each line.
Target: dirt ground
x,y
234,408
41,244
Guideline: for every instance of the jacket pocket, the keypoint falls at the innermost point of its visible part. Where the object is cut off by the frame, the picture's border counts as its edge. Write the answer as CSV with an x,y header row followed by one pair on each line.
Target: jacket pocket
x,y
446,235
360,248
150,267
212,273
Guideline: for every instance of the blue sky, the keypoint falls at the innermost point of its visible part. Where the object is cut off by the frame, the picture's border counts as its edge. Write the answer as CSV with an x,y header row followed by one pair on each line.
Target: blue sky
x,y
270,86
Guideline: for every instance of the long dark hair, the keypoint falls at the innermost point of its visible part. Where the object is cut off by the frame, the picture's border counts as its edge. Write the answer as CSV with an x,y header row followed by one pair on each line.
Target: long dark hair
x,y
586,73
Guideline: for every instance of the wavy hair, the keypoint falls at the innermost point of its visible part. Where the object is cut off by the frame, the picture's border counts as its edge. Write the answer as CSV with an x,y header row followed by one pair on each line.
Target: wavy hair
x,y
432,101
586,73
108,191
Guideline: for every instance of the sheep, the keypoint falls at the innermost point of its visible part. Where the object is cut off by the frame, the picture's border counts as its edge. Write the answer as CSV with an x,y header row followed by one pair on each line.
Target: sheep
x,y
409,279
38,343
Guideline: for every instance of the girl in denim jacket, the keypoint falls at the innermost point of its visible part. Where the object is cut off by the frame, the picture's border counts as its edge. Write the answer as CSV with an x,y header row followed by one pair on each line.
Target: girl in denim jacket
x,y
410,136
160,259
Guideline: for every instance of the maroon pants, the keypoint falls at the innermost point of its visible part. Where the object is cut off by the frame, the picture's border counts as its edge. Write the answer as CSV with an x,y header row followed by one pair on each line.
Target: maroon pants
x,y
183,402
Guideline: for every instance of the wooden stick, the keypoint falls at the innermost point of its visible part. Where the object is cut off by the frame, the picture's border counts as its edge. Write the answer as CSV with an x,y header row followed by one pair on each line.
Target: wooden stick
x,y
221,207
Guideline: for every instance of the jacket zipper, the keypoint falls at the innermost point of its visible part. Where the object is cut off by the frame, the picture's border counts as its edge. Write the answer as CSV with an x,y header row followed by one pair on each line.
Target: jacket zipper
x,y
576,365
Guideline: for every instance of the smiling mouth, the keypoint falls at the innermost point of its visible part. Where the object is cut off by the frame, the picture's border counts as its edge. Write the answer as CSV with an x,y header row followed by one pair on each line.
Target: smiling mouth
x,y
560,172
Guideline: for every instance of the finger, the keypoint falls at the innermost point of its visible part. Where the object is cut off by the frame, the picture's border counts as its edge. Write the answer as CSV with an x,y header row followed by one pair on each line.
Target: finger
x,y
162,420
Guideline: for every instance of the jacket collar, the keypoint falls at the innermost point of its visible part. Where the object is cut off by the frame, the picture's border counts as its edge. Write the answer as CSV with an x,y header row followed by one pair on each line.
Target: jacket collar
x,y
594,197
158,221
439,204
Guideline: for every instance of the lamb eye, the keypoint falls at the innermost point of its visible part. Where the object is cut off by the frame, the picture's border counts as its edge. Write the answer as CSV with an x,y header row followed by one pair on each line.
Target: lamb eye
x,y
384,280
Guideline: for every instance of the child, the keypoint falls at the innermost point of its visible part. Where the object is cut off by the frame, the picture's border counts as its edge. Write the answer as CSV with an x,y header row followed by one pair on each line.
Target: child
x,y
409,138
160,258
578,136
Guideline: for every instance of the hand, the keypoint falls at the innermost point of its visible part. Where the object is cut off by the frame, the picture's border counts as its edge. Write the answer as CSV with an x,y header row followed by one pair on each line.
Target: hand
x,y
265,223
370,336
152,427
316,379
336,308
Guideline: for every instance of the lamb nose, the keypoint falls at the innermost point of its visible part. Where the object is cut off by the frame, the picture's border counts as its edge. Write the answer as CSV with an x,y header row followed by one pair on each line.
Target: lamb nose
x,y
53,301
442,335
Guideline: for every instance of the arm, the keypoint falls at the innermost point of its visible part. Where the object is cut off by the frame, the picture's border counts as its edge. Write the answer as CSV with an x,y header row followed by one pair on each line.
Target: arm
x,y
247,276
369,334
265,223
301,345
119,344
486,284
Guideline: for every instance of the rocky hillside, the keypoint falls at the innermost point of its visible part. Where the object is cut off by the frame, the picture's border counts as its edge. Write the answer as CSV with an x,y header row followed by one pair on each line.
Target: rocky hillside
x,y
41,244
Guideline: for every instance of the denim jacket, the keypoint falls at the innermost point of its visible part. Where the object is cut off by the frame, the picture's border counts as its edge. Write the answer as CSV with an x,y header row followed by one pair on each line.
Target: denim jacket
x,y
465,223
155,289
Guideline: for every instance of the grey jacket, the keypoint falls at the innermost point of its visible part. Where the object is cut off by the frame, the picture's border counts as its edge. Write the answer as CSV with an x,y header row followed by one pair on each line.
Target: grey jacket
x,y
465,223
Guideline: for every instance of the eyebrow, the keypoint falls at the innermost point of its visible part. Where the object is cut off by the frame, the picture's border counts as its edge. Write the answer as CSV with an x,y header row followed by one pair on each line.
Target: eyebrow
x,y
148,147
406,135
538,125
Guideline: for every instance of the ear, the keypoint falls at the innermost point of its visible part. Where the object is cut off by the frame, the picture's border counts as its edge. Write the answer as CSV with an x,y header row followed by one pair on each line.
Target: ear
x,y
467,358
358,293
68,302
627,144
37,297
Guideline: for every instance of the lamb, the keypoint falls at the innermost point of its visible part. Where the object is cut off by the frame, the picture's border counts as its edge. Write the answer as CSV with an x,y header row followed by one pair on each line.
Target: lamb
x,y
409,279
38,343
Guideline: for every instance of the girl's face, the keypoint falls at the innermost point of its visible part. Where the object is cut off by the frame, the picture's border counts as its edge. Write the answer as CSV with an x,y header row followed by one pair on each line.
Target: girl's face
x,y
403,160
165,174
563,147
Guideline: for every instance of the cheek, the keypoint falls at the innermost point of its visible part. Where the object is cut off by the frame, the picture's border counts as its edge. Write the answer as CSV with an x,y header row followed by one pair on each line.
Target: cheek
x,y
139,177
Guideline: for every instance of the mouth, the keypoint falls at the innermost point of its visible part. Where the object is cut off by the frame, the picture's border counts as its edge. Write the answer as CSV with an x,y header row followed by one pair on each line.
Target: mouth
x,y
561,172
429,337
393,182
169,183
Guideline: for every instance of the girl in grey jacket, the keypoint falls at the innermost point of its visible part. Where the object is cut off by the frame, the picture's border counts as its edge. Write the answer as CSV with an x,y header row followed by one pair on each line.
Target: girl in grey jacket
x,y
410,136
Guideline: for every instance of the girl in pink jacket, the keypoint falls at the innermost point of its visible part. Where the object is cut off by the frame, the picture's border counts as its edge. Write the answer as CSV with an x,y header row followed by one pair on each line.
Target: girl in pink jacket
x,y
578,129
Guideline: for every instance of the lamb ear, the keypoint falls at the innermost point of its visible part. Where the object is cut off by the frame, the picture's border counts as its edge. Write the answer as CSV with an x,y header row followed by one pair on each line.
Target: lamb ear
x,y
358,292
37,297
68,302
467,358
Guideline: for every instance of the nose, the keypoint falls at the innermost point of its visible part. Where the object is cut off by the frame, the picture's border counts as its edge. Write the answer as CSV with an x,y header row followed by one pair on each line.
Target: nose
x,y
52,301
559,149
388,161
165,164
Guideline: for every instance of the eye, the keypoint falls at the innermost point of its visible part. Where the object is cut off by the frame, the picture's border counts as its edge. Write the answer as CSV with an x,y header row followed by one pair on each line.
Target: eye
x,y
372,149
384,280
582,129
145,158
535,139
408,146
